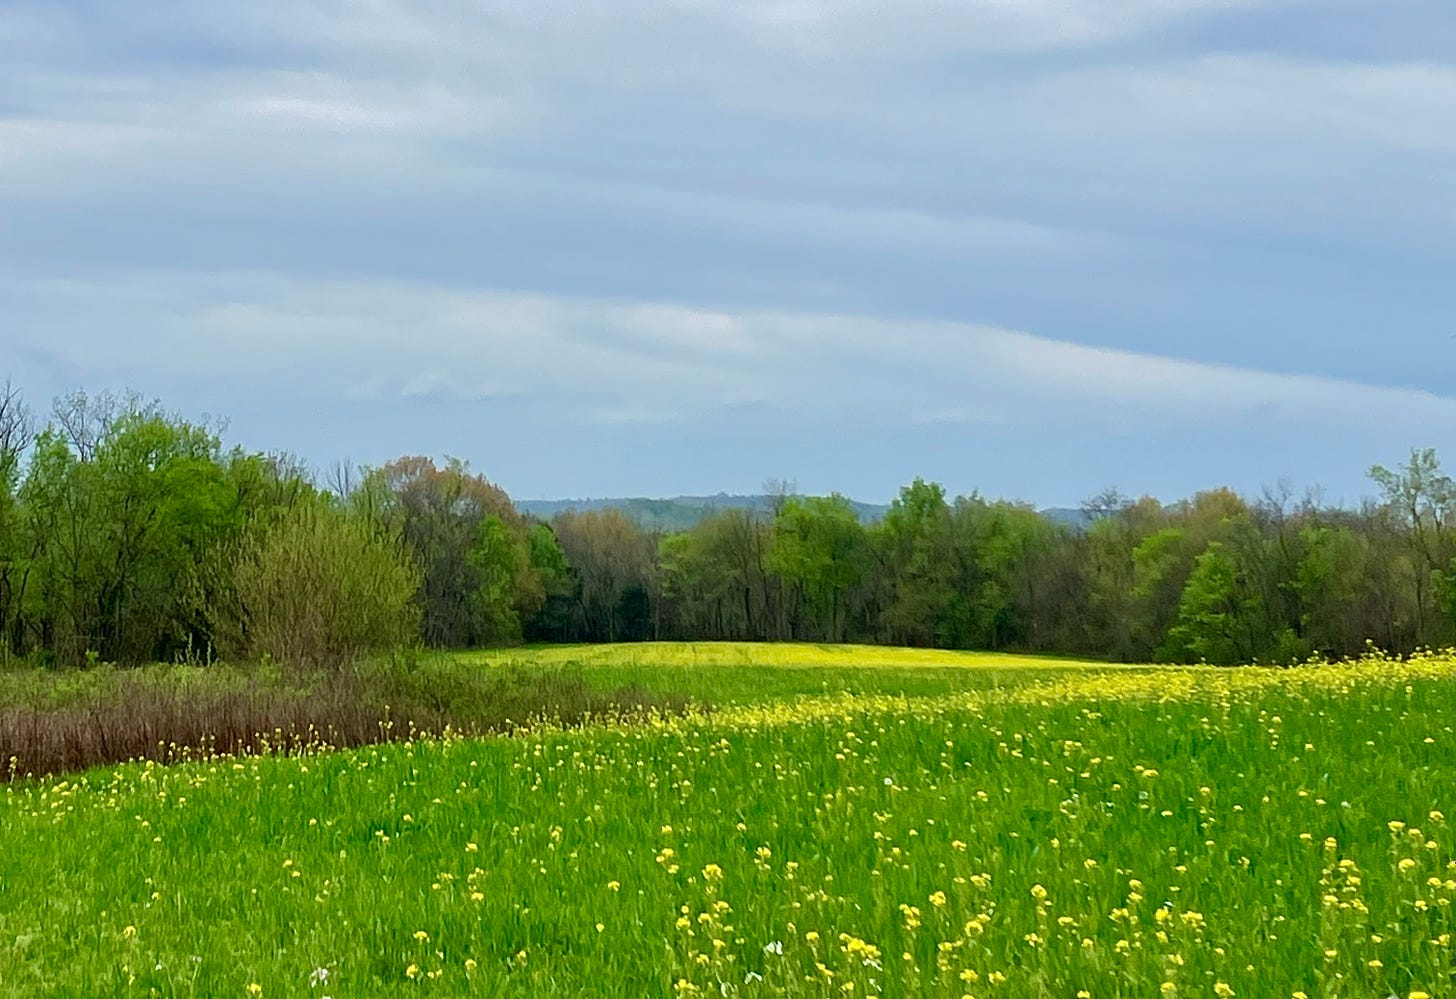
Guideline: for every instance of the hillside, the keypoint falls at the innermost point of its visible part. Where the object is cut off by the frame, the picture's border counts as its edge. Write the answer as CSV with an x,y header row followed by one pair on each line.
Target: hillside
x,y
682,512
675,514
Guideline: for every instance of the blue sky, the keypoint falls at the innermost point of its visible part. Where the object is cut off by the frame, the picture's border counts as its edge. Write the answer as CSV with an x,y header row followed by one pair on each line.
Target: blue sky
x,y
1031,247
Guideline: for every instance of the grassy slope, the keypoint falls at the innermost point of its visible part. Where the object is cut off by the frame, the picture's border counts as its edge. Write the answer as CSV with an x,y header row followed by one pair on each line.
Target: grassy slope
x,y
910,847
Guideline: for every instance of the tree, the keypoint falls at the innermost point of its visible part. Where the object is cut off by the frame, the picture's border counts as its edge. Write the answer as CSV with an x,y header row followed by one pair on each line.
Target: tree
x,y
614,566
1350,589
1112,622
320,590
470,543
1108,503
914,542
1422,499
553,620
821,551
16,435
118,516
1214,613
1005,574
715,579
502,564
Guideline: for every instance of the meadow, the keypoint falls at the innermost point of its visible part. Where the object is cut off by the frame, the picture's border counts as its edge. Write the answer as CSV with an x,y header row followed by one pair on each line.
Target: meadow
x,y
844,822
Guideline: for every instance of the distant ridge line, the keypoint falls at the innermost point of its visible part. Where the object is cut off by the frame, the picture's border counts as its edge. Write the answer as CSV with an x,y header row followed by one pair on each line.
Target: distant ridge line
x,y
680,513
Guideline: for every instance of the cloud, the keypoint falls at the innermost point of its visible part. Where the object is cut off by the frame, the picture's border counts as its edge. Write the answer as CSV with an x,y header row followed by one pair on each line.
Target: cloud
x,y
588,360
687,130
907,133
1174,391
791,214
22,140
869,28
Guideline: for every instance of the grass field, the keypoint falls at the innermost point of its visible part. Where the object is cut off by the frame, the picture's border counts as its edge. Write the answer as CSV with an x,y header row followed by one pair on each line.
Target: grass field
x,y
1012,828
746,672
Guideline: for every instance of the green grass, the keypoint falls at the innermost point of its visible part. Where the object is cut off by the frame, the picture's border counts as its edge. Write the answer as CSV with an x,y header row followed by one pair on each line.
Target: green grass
x,y
1005,837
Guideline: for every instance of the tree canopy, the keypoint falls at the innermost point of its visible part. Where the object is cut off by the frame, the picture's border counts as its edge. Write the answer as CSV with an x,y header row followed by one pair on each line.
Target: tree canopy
x,y
128,534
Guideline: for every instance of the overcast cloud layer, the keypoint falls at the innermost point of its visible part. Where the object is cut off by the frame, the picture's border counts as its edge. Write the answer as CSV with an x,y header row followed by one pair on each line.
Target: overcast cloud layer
x,y
1034,247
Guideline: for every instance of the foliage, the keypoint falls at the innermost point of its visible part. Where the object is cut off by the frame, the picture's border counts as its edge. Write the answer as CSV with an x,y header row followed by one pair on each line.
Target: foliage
x,y
322,589
1421,499
614,569
119,515
122,527
470,544
558,589
921,592
820,550
1213,613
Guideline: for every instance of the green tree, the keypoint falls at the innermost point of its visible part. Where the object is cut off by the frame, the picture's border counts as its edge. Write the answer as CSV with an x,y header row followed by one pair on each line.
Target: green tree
x,y
1112,542
122,503
914,542
1215,613
1421,499
715,578
321,589
821,551
1008,568
1347,593
553,620
501,559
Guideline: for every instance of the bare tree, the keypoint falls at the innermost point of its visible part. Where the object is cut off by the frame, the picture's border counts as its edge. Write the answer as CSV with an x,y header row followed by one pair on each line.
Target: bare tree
x,y
778,491
342,479
1106,503
87,420
17,433
17,424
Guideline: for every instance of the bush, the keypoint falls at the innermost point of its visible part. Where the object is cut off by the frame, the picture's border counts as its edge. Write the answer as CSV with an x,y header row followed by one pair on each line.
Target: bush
x,y
321,589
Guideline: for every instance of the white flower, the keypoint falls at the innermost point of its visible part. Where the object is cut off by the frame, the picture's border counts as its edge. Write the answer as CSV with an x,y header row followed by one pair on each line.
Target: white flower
x,y
777,947
319,976
889,782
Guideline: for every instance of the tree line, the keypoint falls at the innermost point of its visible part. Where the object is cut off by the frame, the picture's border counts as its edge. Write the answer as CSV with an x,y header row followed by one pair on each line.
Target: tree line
x,y
129,534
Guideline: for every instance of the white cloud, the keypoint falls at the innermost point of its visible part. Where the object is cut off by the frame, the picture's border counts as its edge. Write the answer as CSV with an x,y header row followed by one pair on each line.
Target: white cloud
x,y
589,361
1182,391
290,110
875,29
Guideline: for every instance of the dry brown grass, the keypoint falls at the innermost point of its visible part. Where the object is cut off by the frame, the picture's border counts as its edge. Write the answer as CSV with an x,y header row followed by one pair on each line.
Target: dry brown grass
x,y
62,723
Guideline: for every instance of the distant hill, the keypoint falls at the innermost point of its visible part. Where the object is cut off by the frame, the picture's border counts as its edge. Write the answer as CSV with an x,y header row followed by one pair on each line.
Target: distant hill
x,y
676,514
1070,516
683,512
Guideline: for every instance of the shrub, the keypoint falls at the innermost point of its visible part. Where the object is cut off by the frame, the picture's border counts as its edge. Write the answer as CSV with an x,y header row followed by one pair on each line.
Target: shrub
x,y
321,589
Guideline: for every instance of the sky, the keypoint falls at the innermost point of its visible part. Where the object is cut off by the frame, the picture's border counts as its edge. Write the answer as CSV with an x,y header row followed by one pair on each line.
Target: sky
x,y
1033,248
